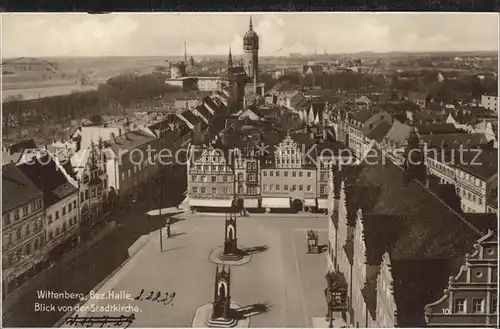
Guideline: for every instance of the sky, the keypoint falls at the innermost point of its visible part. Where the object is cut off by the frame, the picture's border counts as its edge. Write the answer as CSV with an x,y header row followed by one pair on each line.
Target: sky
x,y
125,34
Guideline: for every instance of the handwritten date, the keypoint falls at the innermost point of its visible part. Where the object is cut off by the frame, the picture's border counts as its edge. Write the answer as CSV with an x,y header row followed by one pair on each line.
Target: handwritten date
x,y
156,296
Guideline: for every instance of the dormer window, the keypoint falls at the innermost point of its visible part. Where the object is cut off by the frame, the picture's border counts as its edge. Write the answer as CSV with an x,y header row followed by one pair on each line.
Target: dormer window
x,y
459,305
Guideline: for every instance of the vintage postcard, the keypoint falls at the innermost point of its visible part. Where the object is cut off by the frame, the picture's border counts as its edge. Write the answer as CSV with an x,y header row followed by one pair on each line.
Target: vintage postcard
x,y
320,170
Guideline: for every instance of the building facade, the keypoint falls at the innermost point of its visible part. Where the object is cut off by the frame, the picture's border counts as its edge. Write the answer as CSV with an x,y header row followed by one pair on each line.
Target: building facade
x,y
210,178
89,176
60,201
471,298
473,183
370,229
490,102
129,164
23,243
362,123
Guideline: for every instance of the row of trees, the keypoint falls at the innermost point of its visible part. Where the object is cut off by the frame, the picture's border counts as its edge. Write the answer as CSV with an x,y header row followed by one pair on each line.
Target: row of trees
x,y
122,91
338,80
447,90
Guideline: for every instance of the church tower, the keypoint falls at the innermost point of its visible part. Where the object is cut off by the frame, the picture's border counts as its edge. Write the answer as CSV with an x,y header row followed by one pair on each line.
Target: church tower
x,y
251,49
414,158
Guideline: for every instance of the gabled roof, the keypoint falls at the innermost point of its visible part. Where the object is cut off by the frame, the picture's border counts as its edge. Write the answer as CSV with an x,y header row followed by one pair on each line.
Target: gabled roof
x,y
436,128
416,214
317,107
236,72
202,110
129,141
14,158
481,163
380,131
363,99
315,69
362,115
417,95
22,145
191,117
455,140
483,221
48,177
17,188
426,115
210,102
296,99
425,239
285,87
398,133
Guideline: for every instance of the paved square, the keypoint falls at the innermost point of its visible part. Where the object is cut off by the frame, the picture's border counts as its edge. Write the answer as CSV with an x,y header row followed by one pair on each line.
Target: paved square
x,y
283,276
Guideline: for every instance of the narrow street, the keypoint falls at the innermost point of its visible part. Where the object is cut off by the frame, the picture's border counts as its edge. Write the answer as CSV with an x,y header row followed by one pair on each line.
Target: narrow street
x,y
96,264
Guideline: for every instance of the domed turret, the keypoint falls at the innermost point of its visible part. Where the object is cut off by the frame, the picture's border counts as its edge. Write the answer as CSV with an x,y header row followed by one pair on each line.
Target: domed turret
x,y
251,39
251,57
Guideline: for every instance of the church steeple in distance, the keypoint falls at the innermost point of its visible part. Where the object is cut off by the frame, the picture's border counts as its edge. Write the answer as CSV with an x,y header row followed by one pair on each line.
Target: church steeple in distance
x,y
251,49
415,158
230,59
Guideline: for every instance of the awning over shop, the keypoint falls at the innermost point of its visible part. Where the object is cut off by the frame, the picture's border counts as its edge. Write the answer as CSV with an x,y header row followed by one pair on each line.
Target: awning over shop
x,y
276,203
251,203
222,203
310,202
323,203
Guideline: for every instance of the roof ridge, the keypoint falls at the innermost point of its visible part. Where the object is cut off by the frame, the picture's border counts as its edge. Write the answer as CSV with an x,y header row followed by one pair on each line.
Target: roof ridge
x,y
441,201
15,181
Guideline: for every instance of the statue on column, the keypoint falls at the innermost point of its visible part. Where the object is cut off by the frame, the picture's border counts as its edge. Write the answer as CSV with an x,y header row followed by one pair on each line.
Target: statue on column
x,y
231,251
222,297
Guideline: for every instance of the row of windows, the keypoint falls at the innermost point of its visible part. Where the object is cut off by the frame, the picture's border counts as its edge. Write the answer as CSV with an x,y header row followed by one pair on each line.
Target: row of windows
x,y
71,206
22,212
137,168
203,189
277,187
251,177
478,305
95,191
72,221
218,159
470,196
287,164
288,151
205,168
204,179
250,190
11,237
285,173
25,251
450,172
251,165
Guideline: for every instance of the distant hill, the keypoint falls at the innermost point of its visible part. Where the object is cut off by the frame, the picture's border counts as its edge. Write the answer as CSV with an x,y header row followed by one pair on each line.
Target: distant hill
x,y
28,64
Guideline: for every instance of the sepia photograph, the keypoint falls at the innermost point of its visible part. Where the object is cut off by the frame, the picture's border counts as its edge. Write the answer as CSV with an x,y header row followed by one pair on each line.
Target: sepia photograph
x,y
268,170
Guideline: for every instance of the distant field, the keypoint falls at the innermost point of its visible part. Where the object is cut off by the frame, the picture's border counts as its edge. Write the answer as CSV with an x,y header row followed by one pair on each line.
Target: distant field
x,y
34,78
32,93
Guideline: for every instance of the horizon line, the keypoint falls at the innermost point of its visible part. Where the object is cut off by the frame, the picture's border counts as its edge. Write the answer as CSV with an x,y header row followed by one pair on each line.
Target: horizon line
x,y
288,55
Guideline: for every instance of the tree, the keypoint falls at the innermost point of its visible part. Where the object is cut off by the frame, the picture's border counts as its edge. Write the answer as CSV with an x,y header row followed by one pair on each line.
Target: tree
x,y
268,80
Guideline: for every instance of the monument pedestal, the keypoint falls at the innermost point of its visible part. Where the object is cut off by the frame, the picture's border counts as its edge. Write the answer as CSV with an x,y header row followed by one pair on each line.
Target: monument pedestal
x,y
221,323
231,256
203,318
215,256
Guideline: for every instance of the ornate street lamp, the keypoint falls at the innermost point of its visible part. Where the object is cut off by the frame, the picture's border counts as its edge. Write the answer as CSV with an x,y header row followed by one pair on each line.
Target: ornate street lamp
x,y
335,294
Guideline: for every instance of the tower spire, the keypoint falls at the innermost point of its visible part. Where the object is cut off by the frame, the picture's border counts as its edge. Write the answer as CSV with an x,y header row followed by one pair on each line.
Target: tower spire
x,y
230,59
185,53
251,25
